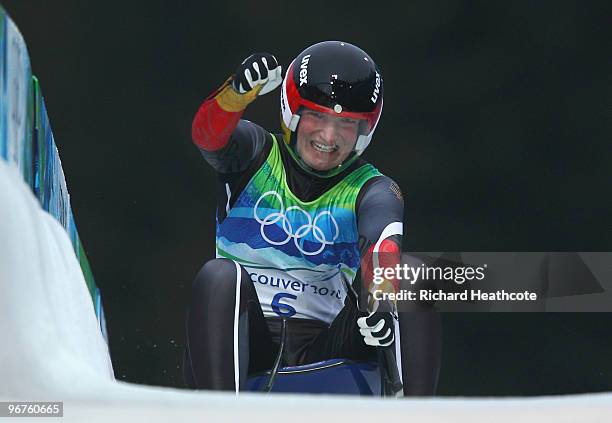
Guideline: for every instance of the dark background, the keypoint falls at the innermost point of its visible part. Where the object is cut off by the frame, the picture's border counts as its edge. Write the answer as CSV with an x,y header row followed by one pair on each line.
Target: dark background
x,y
497,127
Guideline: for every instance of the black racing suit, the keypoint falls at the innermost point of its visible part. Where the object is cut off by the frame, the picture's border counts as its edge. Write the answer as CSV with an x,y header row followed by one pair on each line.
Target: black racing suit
x,y
214,330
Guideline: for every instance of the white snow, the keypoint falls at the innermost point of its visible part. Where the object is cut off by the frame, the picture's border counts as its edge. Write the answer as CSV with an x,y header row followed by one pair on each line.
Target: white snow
x,y
51,349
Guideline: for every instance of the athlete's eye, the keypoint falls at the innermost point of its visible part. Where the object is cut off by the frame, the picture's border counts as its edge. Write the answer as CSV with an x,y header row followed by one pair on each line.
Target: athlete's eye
x,y
348,123
313,114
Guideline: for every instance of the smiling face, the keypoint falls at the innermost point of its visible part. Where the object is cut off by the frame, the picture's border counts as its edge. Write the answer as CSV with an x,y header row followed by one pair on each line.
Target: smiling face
x,y
324,141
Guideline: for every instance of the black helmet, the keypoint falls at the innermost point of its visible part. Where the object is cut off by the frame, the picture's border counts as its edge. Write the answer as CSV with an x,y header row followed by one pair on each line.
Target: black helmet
x,y
337,78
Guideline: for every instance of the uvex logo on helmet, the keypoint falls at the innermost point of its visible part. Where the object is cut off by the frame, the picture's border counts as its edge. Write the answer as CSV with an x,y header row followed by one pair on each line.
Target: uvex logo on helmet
x,y
304,70
376,88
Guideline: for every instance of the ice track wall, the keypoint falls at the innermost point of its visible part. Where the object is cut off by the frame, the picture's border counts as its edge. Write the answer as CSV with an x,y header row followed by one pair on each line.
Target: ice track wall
x,y
26,142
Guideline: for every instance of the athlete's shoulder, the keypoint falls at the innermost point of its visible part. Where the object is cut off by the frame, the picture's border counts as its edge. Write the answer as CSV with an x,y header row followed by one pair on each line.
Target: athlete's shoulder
x,y
380,188
379,205
251,132
248,145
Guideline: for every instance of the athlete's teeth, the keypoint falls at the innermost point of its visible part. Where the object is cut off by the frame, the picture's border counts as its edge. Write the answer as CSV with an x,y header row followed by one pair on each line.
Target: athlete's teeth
x,y
323,148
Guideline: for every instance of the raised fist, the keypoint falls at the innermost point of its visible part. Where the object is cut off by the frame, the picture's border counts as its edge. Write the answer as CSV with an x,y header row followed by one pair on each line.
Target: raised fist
x,y
259,69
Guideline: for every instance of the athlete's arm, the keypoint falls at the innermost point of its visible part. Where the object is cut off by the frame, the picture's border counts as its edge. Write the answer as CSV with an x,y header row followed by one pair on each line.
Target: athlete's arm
x,y
379,221
226,142
380,214
380,217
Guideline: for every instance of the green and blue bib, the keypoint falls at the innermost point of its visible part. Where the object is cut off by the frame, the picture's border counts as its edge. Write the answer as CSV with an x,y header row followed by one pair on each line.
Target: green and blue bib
x,y
297,253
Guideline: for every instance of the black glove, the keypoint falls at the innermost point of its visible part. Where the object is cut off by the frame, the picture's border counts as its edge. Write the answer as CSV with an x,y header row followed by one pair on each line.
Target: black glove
x,y
257,69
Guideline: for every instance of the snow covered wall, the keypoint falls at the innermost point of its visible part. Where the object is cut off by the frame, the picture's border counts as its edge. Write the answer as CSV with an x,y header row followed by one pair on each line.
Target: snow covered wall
x,y
51,345
26,141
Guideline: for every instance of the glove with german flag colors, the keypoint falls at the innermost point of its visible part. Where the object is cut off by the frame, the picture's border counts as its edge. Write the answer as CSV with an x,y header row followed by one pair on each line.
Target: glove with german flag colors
x,y
220,113
258,74
259,71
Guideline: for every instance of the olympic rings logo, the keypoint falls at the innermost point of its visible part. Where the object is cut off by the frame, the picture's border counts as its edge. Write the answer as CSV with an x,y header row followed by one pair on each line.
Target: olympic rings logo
x,y
302,231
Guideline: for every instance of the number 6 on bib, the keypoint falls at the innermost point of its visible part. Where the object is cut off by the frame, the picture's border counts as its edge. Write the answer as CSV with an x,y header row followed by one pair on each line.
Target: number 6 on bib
x,y
283,310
